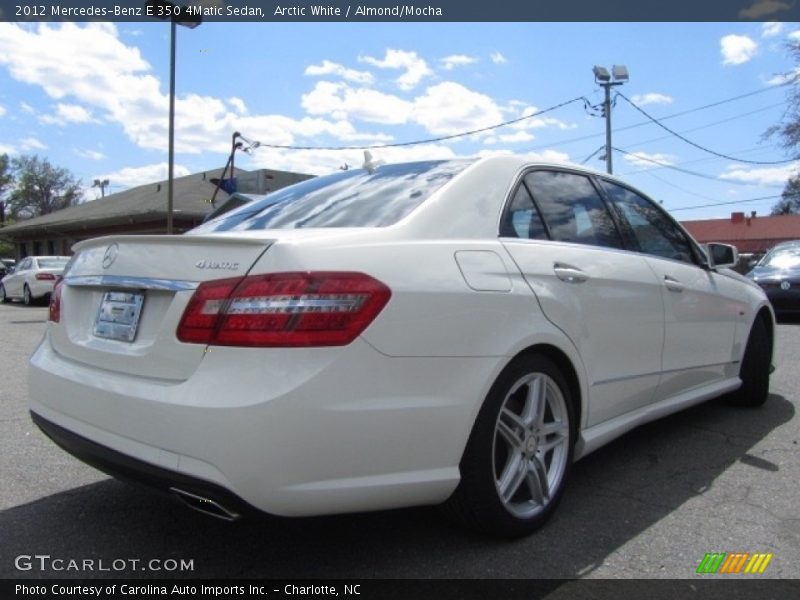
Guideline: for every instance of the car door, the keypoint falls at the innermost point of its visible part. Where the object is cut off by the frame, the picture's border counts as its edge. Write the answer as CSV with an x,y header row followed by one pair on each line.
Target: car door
x,y
701,306
13,284
605,299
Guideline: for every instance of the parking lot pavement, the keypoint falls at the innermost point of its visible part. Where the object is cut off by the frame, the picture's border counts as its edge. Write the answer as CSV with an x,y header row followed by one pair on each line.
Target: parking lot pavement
x,y
649,505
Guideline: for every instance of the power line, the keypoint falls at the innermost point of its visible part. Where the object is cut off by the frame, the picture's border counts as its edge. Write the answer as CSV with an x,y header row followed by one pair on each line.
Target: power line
x,y
693,161
696,145
672,116
713,124
687,171
725,203
429,140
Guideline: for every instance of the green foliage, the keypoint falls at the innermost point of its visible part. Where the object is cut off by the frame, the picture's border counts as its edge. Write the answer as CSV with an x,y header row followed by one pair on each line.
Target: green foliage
x,y
788,130
40,187
789,204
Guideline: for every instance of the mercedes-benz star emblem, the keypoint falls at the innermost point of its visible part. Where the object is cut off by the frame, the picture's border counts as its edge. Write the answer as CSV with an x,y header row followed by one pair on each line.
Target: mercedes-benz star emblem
x,y
111,255
785,285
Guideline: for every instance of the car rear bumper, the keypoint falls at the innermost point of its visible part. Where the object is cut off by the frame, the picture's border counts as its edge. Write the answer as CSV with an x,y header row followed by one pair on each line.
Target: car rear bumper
x,y
290,432
222,502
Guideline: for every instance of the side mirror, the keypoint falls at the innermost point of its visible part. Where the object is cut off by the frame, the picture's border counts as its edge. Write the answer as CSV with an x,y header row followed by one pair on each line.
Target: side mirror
x,y
722,255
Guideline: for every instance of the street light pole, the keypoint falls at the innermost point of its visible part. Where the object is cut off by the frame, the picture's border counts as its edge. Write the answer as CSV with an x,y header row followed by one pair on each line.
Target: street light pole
x,y
603,79
177,15
171,158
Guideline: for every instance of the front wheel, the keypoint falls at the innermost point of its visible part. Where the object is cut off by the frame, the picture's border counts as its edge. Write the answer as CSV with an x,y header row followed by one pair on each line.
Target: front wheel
x,y
755,368
519,452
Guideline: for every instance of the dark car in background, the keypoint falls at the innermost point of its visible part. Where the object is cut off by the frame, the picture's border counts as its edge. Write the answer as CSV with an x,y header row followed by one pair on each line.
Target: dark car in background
x,y
778,274
6,266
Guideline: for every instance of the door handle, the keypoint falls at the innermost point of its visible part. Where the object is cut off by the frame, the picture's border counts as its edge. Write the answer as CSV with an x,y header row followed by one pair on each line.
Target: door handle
x,y
673,285
569,273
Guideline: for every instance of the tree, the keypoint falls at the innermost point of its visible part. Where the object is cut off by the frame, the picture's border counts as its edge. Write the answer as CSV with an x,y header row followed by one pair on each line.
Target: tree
x,y
788,130
40,187
789,204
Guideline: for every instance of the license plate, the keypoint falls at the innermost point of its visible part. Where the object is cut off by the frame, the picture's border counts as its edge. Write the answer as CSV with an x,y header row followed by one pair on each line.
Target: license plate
x,y
118,316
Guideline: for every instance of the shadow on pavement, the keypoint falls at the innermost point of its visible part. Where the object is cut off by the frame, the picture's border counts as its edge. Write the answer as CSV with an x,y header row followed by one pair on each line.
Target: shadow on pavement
x,y
613,496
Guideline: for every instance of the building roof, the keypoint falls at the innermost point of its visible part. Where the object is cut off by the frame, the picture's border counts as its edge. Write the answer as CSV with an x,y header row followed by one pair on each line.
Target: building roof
x,y
747,233
191,198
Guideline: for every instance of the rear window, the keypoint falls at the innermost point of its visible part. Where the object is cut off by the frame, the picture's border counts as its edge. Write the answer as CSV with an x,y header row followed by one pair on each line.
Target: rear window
x,y
52,263
355,198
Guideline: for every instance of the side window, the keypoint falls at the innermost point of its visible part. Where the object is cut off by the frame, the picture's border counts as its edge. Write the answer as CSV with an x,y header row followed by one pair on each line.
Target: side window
x,y
572,209
654,231
521,219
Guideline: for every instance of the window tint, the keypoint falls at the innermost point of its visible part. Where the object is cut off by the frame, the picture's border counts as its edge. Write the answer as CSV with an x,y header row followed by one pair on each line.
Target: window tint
x,y
522,220
52,263
654,231
572,209
354,198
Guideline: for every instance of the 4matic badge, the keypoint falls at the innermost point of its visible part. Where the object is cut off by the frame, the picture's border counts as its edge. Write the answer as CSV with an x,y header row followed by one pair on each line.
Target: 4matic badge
x,y
217,264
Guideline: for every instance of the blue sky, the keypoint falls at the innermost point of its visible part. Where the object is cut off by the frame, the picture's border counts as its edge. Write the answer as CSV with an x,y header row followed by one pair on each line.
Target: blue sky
x,y
93,98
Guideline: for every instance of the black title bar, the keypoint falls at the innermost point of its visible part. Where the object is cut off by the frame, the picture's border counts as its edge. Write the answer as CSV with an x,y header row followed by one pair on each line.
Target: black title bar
x,y
400,10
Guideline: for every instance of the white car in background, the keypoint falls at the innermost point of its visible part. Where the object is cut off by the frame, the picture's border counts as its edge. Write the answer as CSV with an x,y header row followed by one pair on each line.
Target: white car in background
x,y
452,332
33,279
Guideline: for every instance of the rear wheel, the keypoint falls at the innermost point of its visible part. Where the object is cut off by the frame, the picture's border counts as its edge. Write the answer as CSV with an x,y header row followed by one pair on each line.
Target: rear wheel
x,y
755,368
27,298
519,453
3,297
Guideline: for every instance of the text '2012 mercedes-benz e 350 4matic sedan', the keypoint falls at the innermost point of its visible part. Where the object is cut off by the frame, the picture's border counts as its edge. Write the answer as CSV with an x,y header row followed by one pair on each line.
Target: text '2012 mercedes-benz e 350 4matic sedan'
x,y
444,332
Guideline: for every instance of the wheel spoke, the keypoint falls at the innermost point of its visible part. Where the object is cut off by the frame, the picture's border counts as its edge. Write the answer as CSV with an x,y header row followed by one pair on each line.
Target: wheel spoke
x,y
536,478
512,477
508,431
552,435
533,411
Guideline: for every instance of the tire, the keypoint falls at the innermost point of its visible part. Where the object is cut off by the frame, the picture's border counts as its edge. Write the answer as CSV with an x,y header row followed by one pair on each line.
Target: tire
x,y
3,297
27,298
755,368
518,456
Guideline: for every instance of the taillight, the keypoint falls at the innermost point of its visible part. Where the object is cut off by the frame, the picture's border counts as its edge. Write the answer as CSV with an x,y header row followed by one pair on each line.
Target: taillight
x,y
55,303
283,309
45,277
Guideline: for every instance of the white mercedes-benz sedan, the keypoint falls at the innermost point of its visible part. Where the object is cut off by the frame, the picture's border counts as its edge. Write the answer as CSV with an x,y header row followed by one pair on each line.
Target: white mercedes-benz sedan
x,y
444,332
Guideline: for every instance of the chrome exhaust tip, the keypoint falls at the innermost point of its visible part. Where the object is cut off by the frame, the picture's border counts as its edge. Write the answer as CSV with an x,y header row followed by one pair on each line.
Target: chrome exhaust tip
x,y
205,505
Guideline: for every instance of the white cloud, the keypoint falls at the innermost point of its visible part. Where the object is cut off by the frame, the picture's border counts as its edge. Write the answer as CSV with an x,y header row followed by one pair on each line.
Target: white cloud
x,y
2,110
416,69
645,159
513,138
341,101
771,29
651,98
782,78
449,107
536,122
26,108
794,36
457,60
761,175
6,149
133,176
31,143
497,58
331,68
67,113
90,154
737,49
116,84
238,105
319,162
762,8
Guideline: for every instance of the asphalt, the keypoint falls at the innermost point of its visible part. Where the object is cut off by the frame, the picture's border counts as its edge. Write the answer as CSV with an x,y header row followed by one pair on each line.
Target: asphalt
x,y
649,505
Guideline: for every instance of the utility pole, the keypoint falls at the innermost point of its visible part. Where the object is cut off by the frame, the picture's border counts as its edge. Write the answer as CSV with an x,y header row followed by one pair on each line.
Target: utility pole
x,y
604,79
